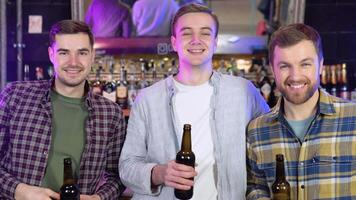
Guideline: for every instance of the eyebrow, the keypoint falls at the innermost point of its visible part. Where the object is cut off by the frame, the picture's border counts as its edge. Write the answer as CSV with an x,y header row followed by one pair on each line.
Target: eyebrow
x,y
202,28
66,50
305,59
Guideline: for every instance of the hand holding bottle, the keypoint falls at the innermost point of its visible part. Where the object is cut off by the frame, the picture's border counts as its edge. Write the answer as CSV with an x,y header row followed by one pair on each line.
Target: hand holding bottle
x,y
28,192
174,175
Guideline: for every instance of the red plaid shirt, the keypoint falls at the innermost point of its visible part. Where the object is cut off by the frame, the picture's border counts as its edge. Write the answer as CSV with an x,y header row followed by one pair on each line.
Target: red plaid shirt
x,y
25,139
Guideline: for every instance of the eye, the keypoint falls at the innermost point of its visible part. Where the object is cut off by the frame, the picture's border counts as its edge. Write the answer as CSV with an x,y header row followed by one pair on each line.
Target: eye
x,y
283,66
83,53
62,53
306,64
206,33
186,33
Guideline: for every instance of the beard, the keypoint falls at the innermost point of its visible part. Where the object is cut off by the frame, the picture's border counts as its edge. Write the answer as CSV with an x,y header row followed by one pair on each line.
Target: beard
x,y
298,98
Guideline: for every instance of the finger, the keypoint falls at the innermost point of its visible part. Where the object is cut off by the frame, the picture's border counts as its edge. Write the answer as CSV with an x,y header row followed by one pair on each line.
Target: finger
x,y
52,194
182,174
182,167
177,186
179,180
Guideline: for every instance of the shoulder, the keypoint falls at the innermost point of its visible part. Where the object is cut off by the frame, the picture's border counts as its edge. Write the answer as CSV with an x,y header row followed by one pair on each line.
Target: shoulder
x,y
27,88
153,93
238,84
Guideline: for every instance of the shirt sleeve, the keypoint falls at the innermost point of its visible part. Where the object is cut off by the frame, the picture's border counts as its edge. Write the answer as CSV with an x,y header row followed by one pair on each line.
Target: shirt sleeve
x,y
112,186
259,106
135,172
7,180
257,187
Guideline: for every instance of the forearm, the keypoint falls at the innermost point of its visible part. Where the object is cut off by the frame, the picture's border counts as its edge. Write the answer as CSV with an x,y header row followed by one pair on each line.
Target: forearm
x,y
111,189
8,185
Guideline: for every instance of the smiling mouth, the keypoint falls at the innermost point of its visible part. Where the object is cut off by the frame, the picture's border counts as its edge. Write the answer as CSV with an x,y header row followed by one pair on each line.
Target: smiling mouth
x,y
72,71
297,85
196,50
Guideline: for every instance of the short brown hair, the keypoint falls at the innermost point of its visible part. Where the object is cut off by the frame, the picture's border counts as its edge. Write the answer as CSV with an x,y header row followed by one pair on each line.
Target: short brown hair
x,y
292,34
70,27
193,8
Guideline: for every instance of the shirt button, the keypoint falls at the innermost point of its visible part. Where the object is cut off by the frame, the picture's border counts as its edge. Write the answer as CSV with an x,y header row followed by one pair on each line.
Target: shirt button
x,y
302,186
302,163
45,153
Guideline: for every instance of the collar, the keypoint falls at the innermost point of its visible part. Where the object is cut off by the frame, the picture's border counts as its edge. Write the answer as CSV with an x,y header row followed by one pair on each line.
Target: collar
x,y
325,106
88,95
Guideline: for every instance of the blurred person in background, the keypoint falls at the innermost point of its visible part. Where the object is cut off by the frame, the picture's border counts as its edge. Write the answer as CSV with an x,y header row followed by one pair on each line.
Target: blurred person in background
x,y
109,18
153,17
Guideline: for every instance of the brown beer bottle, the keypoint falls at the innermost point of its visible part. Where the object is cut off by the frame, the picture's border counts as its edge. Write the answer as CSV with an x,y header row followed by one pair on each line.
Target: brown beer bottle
x,y
344,91
280,187
69,190
185,156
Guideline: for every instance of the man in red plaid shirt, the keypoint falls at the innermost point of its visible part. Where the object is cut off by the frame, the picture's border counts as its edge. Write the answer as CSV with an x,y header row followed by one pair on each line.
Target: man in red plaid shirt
x,y
43,122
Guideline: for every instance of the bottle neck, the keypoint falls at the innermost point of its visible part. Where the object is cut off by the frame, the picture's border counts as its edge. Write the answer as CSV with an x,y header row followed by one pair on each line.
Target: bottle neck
x,y
280,171
186,141
68,174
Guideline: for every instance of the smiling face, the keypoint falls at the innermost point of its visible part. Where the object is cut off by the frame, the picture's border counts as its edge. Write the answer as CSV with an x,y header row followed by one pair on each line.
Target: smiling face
x,y
297,71
72,57
194,39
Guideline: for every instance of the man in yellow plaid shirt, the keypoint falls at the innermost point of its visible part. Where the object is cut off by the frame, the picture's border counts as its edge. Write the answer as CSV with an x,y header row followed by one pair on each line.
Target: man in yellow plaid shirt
x,y
316,132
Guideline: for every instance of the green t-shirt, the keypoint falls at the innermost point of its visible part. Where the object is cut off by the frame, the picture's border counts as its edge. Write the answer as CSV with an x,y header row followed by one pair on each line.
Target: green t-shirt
x,y
68,138
300,127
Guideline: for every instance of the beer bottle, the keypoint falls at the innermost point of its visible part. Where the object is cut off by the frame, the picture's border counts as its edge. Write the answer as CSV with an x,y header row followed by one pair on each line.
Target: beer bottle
x,y
280,187
69,190
185,156
344,91
333,88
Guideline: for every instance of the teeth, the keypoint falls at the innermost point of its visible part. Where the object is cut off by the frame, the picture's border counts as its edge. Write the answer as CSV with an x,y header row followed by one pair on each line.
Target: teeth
x,y
196,50
297,86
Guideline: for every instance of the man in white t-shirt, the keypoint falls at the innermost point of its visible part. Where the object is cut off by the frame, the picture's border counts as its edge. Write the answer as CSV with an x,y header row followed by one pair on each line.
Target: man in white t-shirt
x,y
217,106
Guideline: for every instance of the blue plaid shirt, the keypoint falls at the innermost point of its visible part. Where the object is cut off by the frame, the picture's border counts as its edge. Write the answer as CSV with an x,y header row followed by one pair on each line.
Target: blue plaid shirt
x,y
322,166
25,140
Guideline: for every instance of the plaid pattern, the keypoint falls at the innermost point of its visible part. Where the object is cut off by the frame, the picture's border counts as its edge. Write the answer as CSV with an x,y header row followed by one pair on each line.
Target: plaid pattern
x,y
323,166
25,138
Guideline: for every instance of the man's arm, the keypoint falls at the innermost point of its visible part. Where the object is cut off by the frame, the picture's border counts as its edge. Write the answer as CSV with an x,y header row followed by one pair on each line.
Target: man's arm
x,y
8,182
257,187
259,105
135,172
113,187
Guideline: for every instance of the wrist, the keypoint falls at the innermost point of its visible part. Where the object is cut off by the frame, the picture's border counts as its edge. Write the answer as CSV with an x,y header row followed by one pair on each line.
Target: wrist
x,y
156,177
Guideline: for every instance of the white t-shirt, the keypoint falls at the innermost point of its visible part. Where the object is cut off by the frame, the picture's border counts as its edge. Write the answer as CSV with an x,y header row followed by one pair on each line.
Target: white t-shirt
x,y
192,106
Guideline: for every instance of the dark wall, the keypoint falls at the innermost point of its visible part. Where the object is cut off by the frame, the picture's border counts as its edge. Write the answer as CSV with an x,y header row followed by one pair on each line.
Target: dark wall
x,y
35,53
336,22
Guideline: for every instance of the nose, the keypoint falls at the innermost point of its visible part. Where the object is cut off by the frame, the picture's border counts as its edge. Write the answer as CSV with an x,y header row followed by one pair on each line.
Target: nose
x,y
73,60
295,71
195,39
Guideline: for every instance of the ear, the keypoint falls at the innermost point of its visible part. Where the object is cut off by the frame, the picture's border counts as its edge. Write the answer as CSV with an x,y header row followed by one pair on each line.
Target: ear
x,y
173,42
215,43
93,55
272,70
51,54
321,66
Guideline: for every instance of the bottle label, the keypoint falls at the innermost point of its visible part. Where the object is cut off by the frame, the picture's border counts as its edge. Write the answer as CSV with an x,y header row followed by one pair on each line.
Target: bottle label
x,y
280,196
121,92
111,96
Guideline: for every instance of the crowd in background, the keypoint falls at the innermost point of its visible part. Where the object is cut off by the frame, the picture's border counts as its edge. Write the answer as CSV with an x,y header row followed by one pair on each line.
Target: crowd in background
x,y
133,18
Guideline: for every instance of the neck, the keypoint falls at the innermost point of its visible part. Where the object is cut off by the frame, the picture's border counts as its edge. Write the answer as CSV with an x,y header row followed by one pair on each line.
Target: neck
x,y
73,92
301,111
193,75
